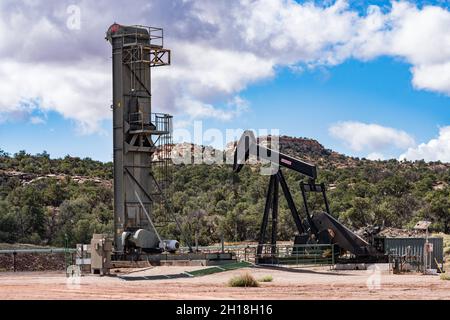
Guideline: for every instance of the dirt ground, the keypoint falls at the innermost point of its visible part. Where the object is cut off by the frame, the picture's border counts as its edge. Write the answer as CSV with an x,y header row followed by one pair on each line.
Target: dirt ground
x,y
318,283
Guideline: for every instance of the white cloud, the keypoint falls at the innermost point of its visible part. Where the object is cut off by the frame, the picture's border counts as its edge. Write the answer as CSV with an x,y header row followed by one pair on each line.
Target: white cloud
x,y
205,69
375,156
433,150
433,77
197,81
420,37
218,50
360,136
37,120
195,109
66,89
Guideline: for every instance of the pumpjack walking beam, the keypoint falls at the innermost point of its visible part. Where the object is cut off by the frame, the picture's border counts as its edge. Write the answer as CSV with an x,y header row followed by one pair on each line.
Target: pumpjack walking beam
x,y
248,145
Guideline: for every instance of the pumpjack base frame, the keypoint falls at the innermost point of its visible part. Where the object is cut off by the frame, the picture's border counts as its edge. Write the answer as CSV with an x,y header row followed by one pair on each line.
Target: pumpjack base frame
x,y
272,203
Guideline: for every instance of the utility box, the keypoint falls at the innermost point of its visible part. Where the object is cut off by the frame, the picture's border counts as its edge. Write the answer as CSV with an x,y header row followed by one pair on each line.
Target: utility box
x,y
101,248
414,248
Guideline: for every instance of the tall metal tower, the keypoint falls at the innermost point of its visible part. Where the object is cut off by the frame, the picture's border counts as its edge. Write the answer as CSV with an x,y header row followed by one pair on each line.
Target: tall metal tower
x,y
141,138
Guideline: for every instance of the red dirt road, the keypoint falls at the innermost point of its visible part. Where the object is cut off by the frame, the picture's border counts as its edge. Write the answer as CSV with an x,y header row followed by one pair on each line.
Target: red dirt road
x,y
319,283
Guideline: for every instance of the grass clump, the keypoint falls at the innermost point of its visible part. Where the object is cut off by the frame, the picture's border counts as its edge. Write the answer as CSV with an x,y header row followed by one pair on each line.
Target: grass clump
x,y
267,278
445,276
244,280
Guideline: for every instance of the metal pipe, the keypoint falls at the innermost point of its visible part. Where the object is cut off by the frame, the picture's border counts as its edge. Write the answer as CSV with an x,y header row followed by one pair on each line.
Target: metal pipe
x,y
148,216
51,250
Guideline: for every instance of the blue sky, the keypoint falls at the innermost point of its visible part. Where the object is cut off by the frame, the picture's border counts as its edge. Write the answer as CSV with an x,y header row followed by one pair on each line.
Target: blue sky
x,y
298,104
360,97
379,92
57,136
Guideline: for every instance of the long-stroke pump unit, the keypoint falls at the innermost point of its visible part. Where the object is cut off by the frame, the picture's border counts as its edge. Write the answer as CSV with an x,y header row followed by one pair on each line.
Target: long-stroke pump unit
x,y
318,227
142,142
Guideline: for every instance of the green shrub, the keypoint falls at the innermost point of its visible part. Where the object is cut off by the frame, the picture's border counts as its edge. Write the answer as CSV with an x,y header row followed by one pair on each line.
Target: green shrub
x,y
244,280
445,276
267,278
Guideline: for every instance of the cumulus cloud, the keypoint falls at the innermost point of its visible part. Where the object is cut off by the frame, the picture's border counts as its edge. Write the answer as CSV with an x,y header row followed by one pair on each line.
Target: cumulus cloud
x,y
433,150
375,138
418,36
434,77
218,50
66,89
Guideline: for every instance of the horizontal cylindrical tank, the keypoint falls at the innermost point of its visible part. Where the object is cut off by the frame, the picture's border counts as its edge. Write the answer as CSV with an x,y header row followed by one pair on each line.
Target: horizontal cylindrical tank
x,y
145,239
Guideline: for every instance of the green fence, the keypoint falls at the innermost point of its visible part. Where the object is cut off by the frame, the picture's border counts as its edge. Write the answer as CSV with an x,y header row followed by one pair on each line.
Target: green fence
x,y
296,255
280,254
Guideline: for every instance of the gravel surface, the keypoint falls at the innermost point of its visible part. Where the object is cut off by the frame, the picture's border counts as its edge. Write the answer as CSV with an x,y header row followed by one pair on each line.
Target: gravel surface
x,y
318,283
33,262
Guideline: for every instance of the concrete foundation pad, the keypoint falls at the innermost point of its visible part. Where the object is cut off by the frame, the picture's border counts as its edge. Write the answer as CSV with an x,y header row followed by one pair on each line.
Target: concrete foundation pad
x,y
194,259
363,266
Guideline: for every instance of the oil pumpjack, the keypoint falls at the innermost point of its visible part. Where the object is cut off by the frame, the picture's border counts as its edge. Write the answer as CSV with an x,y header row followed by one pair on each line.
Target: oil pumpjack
x,y
319,227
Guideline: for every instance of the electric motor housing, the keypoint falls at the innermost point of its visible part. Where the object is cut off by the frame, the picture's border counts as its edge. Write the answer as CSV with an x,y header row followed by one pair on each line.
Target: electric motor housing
x,y
148,241
169,245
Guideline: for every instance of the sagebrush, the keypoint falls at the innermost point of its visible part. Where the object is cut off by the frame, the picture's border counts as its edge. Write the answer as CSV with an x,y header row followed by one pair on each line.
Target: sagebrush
x,y
243,280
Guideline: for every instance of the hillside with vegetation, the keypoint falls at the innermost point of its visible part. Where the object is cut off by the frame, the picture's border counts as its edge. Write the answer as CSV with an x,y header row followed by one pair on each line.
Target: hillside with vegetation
x,y
47,201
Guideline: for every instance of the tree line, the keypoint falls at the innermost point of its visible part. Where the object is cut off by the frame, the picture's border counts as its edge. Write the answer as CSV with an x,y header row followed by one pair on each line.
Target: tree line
x,y
213,202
